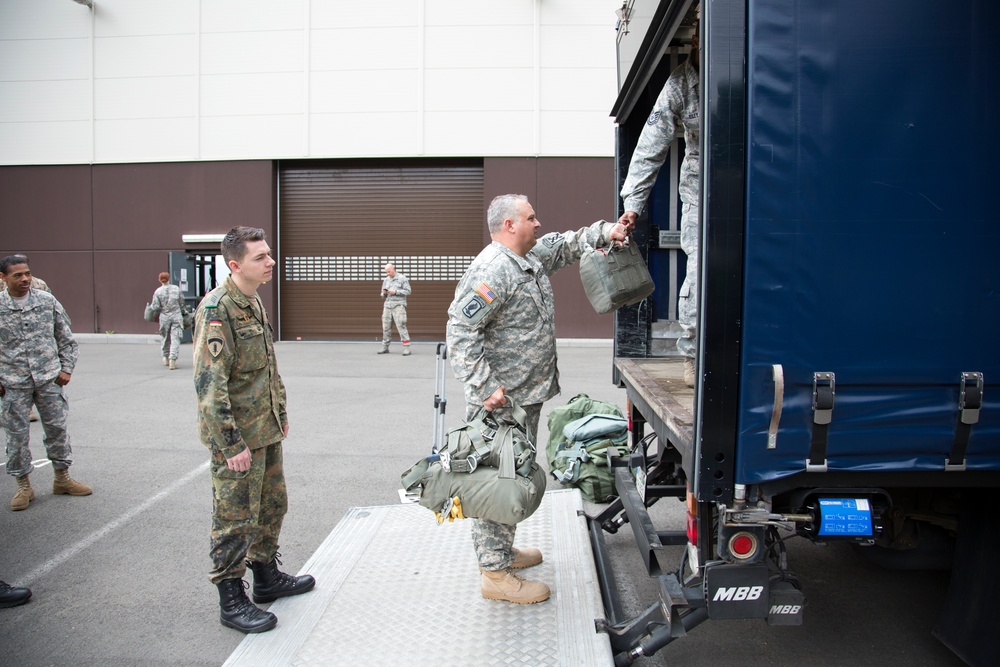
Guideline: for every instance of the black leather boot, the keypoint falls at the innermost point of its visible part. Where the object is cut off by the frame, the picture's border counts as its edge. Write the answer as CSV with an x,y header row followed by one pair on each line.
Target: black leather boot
x,y
270,583
237,610
11,596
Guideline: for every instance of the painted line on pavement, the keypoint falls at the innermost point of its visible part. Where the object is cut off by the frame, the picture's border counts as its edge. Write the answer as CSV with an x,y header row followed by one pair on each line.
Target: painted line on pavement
x,y
41,463
61,558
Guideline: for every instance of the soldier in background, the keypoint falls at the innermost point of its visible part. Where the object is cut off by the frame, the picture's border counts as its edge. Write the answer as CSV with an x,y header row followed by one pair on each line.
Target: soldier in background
x,y
395,287
39,284
677,109
171,303
37,358
242,420
502,342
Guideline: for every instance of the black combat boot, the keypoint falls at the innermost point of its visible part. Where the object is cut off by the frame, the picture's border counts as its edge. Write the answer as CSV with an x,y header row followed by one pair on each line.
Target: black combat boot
x,y
270,583
237,610
11,596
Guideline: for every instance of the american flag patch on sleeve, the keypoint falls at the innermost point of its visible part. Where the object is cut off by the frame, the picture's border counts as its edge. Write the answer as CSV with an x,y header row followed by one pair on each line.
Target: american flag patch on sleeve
x,y
484,291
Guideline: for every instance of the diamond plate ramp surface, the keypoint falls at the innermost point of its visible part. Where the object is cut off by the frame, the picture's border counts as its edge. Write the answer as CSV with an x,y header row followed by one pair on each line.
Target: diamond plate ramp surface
x,y
394,587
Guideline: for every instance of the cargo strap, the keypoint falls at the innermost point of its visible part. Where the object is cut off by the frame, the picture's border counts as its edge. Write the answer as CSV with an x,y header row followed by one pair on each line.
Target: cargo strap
x,y
970,402
824,391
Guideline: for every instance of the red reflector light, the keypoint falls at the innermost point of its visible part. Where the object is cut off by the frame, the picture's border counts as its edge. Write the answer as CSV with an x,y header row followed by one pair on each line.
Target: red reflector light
x,y
692,528
742,545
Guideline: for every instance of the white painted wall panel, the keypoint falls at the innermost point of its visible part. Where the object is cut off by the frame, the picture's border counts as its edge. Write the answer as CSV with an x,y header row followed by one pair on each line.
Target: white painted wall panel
x,y
479,46
160,97
480,12
134,140
46,143
43,19
219,79
577,89
347,14
253,15
576,134
577,46
245,137
44,59
482,133
252,94
363,49
252,52
44,101
160,55
377,91
479,90
118,18
365,135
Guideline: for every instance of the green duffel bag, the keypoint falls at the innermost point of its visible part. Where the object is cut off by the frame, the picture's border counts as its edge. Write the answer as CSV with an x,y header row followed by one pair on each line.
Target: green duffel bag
x,y
587,468
486,470
615,276
579,406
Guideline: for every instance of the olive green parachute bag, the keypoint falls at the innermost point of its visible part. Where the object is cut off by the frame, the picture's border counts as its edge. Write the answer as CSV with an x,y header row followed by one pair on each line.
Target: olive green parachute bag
x,y
485,470
581,433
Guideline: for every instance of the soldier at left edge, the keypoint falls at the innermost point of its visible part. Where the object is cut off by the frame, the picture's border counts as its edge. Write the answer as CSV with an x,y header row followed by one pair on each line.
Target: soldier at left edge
x,y
37,356
39,284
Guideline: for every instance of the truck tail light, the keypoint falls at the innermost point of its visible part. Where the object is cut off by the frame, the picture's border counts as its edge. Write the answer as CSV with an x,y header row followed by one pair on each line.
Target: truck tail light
x,y
743,545
692,529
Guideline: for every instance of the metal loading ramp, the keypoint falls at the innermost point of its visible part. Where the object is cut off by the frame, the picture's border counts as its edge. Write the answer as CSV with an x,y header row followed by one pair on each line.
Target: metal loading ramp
x,y
394,586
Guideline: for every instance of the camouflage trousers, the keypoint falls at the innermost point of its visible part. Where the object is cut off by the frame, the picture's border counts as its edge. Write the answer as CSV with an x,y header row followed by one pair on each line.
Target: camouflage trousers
x,y
493,540
687,304
247,511
52,409
394,313
171,331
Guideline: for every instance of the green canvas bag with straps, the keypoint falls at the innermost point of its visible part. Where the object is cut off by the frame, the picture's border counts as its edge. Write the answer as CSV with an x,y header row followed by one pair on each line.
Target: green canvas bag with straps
x,y
585,464
487,467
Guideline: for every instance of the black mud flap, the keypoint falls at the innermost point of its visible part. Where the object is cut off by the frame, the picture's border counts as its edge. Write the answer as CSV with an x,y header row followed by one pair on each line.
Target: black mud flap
x,y
968,623
737,591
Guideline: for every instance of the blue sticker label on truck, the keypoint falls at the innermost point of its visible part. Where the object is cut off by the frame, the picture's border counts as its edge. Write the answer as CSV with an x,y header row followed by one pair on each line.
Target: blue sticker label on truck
x,y
845,517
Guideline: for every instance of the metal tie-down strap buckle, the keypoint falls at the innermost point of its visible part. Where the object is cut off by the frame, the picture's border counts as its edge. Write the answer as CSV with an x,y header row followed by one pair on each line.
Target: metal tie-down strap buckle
x,y
970,402
824,392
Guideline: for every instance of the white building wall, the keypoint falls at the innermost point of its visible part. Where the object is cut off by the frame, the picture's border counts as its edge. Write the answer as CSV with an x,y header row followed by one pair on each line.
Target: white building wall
x,y
168,80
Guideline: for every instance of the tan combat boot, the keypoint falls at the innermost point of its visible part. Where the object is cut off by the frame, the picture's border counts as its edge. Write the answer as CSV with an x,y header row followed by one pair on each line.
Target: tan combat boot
x,y
523,558
25,494
164,361
505,585
689,371
64,484
173,364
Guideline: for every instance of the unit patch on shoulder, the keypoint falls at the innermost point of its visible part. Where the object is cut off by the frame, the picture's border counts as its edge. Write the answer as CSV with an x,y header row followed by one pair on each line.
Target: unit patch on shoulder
x,y
475,307
653,117
216,343
552,240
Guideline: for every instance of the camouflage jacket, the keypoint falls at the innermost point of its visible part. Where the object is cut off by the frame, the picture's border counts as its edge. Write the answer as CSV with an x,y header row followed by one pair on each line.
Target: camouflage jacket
x,y
401,284
501,324
677,109
241,398
171,302
36,342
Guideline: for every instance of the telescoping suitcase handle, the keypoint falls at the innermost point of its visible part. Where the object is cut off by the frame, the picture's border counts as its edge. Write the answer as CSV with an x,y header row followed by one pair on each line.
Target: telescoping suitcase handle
x,y
440,399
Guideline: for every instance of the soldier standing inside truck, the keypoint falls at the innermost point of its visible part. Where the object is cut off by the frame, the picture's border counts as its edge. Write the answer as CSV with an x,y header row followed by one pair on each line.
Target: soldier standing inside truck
x,y
502,342
243,421
677,109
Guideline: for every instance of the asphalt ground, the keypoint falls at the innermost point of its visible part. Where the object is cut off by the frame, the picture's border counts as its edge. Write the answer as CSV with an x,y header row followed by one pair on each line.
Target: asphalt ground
x,y
120,577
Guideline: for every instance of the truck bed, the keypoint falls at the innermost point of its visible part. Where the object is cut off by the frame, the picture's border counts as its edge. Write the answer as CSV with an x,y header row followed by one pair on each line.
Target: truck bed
x,y
656,388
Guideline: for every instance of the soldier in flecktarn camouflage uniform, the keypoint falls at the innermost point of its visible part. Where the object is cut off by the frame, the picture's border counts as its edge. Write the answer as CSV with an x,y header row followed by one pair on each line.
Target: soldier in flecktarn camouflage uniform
x,y
171,303
395,288
677,110
37,357
502,342
242,420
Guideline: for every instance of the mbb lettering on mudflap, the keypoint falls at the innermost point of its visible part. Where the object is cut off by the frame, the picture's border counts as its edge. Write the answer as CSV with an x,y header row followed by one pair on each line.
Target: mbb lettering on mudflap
x,y
790,609
738,593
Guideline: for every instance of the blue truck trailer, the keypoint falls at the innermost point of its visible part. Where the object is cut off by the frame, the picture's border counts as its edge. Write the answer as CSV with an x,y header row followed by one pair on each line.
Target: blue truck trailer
x,y
849,316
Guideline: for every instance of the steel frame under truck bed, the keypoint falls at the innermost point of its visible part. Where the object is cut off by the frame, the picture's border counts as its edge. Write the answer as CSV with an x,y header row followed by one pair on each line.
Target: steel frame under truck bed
x,y
393,585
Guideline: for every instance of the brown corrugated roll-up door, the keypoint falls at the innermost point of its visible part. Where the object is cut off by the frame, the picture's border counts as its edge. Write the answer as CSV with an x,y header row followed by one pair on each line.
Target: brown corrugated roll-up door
x,y
339,224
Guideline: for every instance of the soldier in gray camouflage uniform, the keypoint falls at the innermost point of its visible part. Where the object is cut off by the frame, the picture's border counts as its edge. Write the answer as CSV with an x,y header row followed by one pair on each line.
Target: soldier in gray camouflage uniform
x,y
242,420
502,341
677,109
39,284
37,357
395,287
171,304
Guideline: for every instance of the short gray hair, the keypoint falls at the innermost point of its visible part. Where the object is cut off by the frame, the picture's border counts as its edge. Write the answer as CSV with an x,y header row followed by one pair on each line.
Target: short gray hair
x,y
234,245
502,207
